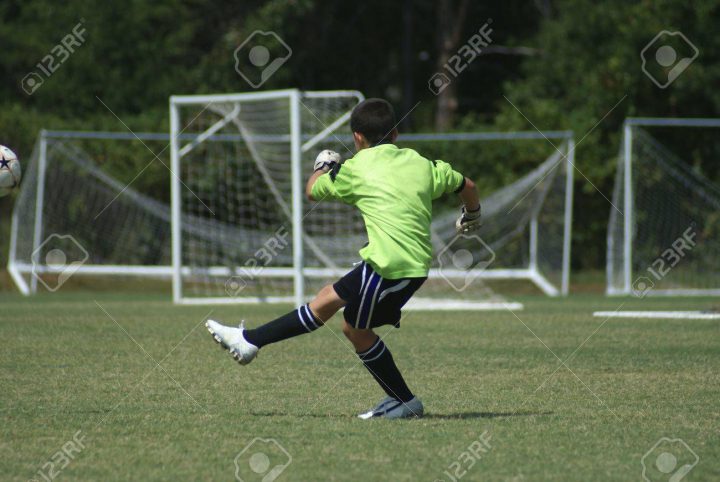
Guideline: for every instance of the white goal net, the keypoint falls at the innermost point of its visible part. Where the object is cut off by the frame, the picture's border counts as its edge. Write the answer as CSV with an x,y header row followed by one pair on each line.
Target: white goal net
x,y
664,232
244,231
240,162
73,219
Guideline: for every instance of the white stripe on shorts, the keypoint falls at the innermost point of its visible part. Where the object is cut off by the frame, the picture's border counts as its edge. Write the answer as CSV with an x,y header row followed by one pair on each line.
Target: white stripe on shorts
x,y
372,303
393,289
363,277
362,300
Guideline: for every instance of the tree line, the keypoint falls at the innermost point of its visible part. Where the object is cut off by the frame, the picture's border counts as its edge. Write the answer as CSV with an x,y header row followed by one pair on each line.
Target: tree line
x,y
513,65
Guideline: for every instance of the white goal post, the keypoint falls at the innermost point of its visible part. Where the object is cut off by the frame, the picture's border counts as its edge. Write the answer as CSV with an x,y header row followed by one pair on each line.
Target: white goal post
x,y
263,130
238,211
663,231
239,164
72,219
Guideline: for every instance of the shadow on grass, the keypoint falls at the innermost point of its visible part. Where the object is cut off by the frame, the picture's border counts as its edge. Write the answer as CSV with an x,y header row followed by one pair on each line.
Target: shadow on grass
x,y
435,416
466,415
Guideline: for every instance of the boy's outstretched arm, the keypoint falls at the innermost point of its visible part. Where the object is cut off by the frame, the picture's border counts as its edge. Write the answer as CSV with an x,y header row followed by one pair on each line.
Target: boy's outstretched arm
x,y
470,218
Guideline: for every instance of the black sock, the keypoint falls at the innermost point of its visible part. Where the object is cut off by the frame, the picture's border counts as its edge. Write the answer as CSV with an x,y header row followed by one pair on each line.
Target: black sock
x,y
379,362
287,326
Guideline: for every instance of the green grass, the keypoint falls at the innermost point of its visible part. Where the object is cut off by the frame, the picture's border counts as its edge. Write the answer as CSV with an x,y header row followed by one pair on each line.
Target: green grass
x,y
66,366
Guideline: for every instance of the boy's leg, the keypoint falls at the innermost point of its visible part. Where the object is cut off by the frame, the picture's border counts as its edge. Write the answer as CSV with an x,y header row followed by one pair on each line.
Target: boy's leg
x,y
379,361
244,344
305,319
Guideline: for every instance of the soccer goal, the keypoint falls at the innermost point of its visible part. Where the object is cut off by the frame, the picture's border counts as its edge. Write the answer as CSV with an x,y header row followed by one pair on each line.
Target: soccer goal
x,y
73,219
664,230
239,164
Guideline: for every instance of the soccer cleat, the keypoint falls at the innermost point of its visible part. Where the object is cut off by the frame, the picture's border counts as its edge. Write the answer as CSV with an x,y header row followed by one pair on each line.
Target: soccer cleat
x,y
232,340
393,408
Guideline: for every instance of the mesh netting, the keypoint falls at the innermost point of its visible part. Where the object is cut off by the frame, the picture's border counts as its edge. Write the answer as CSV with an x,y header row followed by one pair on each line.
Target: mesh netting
x,y
87,218
236,206
238,178
236,172
671,203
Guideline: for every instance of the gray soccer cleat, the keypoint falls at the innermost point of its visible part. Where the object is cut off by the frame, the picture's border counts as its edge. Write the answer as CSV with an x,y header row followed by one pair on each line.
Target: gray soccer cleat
x,y
393,408
232,340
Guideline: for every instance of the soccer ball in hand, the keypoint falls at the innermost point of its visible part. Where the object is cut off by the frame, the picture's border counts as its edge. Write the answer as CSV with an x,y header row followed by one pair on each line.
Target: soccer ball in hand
x,y
9,171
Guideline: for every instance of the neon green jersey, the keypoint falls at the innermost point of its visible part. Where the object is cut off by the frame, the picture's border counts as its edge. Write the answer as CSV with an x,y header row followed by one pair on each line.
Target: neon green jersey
x,y
393,188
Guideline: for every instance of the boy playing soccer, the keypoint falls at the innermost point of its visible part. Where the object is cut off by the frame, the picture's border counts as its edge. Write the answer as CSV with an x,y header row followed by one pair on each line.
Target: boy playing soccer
x,y
393,188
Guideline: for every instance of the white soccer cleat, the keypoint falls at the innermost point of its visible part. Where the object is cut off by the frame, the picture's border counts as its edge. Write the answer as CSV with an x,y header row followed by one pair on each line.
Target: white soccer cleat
x,y
393,408
233,341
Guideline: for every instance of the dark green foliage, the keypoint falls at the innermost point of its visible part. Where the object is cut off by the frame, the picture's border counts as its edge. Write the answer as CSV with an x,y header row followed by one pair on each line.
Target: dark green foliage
x,y
585,70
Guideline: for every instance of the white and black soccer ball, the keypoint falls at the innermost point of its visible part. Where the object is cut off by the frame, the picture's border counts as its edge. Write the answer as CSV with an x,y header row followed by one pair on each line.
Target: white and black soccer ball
x,y
9,171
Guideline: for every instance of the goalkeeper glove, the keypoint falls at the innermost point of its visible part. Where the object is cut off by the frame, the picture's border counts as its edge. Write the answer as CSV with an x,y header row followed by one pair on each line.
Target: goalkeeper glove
x,y
326,160
468,221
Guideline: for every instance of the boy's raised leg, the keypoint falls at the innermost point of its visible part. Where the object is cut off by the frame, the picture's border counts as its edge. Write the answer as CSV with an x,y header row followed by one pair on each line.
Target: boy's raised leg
x,y
243,344
305,319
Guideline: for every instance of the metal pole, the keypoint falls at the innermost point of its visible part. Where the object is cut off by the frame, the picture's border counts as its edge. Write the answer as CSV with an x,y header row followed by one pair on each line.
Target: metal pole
x,y
567,235
297,197
627,208
176,199
39,206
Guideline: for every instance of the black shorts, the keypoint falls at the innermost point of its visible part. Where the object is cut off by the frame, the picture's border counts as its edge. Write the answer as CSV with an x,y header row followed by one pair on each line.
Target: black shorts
x,y
372,300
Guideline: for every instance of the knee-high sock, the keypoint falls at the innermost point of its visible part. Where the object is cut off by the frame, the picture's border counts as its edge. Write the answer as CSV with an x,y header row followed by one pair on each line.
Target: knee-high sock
x,y
287,326
379,362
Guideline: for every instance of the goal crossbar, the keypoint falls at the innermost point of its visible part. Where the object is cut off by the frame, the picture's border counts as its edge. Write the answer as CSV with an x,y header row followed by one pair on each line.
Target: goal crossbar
x,y
25,271
626,163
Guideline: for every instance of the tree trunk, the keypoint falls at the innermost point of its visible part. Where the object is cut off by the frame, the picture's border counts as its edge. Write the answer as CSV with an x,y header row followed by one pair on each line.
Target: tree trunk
x,y
450,19
408,60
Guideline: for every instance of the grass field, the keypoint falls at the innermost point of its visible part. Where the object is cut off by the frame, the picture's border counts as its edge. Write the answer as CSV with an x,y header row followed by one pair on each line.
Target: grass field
x,y
155,399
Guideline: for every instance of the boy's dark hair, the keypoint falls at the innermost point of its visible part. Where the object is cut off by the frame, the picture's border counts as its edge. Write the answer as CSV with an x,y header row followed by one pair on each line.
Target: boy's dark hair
x,y
375,119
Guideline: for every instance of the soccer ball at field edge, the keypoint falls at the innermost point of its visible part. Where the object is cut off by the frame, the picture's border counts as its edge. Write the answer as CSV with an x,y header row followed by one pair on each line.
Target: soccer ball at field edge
x,y
9,171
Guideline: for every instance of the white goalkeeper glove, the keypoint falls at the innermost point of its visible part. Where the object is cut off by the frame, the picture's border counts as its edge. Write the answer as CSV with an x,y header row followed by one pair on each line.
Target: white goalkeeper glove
x,y
468,221
326,160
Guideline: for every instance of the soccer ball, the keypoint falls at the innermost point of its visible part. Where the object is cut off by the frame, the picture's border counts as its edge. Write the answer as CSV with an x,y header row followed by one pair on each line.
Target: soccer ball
x,y
9,171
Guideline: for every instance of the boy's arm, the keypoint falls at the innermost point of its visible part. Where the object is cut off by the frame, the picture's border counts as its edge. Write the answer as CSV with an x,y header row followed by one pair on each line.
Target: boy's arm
x,y
469,195
470,217
311,182
324,162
